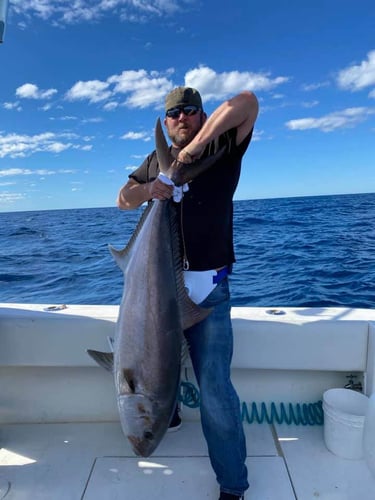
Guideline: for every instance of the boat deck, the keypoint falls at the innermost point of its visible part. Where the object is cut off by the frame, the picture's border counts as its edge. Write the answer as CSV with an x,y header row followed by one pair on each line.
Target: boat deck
x,y
92,461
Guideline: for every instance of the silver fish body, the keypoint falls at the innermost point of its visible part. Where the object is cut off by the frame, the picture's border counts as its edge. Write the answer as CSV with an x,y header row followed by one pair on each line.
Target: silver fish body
x,y
154,311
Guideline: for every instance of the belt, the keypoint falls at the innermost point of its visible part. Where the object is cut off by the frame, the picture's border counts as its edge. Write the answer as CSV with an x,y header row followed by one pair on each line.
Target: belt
x,y
220,275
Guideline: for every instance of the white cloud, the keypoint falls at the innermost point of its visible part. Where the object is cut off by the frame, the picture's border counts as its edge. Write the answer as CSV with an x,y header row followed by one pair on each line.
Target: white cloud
x,y
257,135
147,88
67,118
217,86
12,172
134,136
358,76
143,88
16,172
310,104
17,145
31,91
12,105
308,87
59,12
110,106
340,119
7,197
46,107
92,90
96,119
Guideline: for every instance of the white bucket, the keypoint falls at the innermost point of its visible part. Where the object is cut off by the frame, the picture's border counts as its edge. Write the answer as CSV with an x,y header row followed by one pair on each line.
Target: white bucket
x,y
344,416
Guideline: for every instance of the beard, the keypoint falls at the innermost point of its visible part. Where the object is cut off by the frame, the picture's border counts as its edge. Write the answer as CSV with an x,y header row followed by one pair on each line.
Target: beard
x,y
182,138
183,135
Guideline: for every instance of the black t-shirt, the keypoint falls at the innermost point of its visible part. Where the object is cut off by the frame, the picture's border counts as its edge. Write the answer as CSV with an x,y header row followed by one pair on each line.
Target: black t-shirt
x,y
206,211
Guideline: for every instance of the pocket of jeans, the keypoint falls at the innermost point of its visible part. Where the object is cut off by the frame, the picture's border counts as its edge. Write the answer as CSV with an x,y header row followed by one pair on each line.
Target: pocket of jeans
x,y
218,295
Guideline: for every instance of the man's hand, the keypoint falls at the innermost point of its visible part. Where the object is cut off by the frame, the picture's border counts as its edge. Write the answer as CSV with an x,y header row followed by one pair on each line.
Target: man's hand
x,y
190,153
178,191
159,190
184,156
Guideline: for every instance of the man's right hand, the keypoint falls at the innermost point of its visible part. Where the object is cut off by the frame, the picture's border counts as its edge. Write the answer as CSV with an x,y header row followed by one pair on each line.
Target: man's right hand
x,y
159,190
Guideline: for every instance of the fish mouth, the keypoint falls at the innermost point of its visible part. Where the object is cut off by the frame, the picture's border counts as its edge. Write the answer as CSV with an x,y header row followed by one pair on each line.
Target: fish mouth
x,y
137,421
143,447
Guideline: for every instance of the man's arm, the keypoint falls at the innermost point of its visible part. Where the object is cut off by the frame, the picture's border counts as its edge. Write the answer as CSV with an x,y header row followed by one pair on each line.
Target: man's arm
x,y
239,112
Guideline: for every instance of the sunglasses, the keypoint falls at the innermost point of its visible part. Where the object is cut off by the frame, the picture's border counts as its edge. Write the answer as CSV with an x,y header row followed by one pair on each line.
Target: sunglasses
x,y
187,110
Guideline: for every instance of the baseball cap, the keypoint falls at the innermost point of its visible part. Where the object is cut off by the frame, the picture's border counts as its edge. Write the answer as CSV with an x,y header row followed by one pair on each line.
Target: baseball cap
x,y
183,96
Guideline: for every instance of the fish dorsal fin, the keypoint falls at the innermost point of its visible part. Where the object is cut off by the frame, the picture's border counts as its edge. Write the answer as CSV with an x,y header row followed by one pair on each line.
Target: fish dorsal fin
x,y
163,153
122,257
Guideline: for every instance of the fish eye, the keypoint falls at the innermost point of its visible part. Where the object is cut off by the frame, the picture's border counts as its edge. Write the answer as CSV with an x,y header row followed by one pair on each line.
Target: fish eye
x,y
148,435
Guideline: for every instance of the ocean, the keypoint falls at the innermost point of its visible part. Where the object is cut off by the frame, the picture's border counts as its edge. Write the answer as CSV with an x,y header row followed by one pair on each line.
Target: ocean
x,y
314,251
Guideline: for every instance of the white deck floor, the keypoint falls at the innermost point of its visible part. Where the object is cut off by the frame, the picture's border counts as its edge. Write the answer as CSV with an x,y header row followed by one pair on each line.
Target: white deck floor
x,y
92,461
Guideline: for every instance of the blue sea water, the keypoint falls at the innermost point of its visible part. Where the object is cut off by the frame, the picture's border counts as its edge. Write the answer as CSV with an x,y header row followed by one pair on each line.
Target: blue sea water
x,y
307,251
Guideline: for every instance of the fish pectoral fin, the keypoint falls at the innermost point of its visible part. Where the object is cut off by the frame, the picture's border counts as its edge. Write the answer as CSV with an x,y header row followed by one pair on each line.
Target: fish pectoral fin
x,y
121,256
192,313
111,343
104,359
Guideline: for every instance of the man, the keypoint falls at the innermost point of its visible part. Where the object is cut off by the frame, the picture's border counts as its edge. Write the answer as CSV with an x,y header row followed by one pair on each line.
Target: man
x,y
206,226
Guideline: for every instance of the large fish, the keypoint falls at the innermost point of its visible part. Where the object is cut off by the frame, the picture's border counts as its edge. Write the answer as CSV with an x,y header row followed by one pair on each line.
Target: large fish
x,y
154,311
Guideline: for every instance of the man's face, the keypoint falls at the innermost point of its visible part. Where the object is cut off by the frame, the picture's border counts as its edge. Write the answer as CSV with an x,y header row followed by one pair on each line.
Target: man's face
x,y
182,129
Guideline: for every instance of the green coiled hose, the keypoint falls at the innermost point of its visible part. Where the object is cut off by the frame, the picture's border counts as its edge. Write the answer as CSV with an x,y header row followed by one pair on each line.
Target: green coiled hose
x,y
298,414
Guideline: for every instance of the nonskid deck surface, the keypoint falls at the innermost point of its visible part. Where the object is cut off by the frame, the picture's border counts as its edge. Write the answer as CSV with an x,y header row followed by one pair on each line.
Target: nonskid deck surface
x,y
92,461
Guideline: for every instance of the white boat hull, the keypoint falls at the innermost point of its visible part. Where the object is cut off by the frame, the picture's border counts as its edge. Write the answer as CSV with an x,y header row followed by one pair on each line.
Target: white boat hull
x,y
79,452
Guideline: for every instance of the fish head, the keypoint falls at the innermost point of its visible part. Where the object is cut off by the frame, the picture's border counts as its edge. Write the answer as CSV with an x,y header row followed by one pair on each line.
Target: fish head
x,y
141,422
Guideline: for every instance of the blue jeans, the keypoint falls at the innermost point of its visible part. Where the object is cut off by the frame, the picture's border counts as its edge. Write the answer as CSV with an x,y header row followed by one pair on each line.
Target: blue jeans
x,y
211,348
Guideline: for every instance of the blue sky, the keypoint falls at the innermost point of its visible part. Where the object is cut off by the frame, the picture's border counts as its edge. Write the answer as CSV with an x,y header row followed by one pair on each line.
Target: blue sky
x,y
83,82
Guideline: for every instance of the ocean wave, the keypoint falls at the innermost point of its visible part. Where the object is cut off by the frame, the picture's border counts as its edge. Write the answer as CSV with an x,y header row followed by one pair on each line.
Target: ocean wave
x,y
305,252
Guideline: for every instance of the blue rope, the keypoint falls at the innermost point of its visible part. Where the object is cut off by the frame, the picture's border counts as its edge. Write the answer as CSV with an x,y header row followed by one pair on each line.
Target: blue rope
x,y
189,395
298,414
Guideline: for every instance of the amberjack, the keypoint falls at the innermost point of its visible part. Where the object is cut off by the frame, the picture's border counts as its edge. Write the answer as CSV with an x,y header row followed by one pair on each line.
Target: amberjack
x,y
154,311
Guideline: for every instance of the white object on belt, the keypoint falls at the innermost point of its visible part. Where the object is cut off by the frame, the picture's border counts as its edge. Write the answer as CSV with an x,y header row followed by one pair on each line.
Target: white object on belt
x,y
199,284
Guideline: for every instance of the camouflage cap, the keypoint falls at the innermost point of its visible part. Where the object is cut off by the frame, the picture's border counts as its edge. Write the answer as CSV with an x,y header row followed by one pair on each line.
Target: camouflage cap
x,y
183,96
